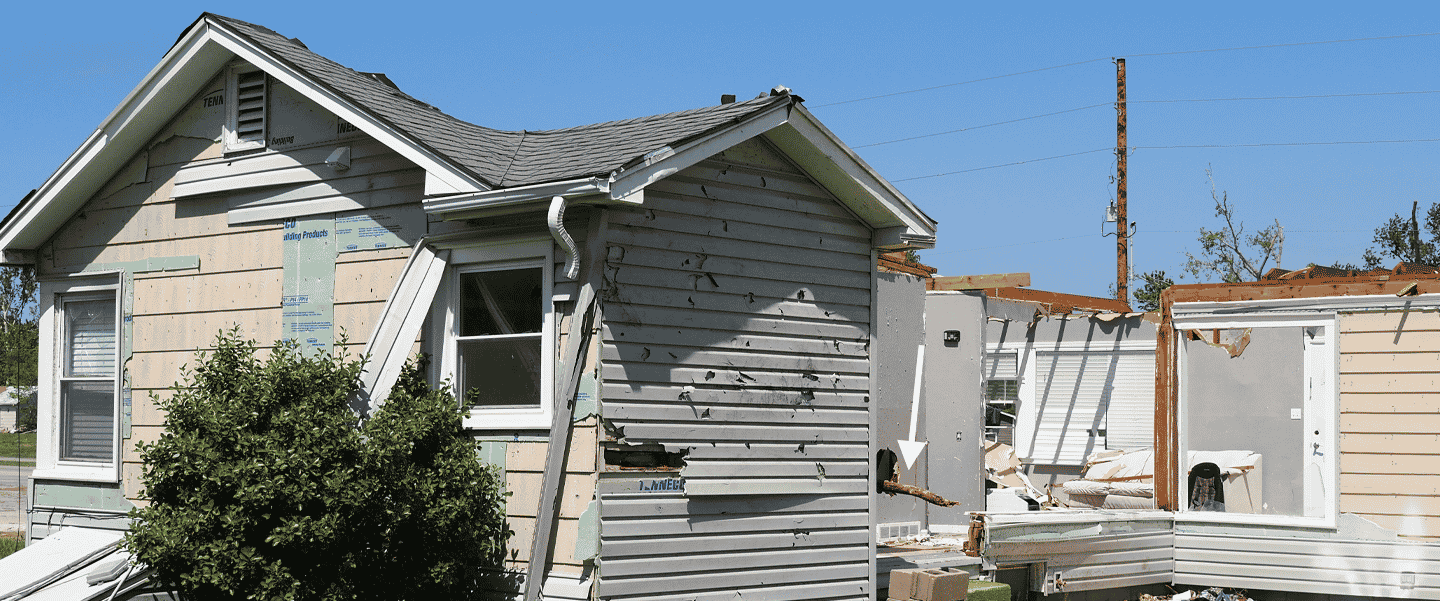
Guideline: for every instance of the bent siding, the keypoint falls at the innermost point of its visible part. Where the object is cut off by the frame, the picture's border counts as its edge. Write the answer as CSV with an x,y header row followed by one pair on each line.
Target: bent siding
x,y
1389,426
736,332
1089,553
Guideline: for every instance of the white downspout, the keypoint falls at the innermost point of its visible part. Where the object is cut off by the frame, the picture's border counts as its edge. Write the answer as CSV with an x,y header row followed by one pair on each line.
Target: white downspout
x,y
556,220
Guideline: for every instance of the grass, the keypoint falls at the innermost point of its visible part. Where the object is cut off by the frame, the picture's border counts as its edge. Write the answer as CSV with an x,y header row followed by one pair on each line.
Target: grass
x,y
26,442
10,543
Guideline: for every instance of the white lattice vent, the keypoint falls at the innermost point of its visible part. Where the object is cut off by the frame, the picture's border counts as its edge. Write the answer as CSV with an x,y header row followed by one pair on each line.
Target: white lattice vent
x,y
896,530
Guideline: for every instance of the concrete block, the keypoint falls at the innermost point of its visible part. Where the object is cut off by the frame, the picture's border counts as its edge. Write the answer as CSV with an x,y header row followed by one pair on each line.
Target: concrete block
x,y
902,584
941,585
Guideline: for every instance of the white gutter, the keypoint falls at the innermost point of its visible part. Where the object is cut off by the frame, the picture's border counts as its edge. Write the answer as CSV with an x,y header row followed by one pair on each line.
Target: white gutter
x,y
451,207
556,219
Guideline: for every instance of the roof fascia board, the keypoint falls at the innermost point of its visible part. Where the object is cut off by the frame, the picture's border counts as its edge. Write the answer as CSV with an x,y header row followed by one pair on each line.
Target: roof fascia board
x,y
1302,306
432,163
115,136
873,185
624,183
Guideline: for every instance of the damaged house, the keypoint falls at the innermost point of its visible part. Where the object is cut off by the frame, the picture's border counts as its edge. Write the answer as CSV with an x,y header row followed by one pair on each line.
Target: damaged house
x,y
1294,449
676,311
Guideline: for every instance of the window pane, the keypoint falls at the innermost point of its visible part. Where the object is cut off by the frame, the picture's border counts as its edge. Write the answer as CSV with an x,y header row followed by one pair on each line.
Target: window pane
x,y
501,372
87,421
501,302
90,333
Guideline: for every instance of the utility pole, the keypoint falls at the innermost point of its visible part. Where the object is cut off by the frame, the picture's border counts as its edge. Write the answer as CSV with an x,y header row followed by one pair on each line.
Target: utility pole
x,y
1122,239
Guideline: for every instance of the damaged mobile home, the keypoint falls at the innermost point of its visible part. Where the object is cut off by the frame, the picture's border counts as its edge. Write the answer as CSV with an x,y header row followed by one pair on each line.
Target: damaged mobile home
x,y
684,302
1295,430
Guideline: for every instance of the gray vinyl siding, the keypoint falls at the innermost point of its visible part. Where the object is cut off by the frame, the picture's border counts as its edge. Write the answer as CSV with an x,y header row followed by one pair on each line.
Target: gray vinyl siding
x,y
736,330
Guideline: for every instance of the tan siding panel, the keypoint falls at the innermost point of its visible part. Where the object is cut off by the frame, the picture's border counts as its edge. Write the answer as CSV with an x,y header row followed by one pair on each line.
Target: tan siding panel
x,y
1387,322
197,330
1388,463
210,292
1381,401
1390,423
1427,484
1390,443
1394,383
249,249
1388,342
1391,505
1389,362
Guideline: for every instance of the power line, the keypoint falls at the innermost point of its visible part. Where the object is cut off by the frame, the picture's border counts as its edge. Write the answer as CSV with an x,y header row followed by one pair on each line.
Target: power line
x,y
1267,144
1305,97
1171,147
1061,156
1163,101
961,83
973,127
928,253
1284,45
1095,60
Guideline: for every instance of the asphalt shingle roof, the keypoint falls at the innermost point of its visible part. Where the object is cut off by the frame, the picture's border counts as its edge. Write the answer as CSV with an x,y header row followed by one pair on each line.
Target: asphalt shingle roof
x,y
502,159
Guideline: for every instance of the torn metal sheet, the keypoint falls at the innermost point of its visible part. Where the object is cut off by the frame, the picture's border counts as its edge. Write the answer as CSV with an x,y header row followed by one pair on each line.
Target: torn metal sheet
x,y
1235,345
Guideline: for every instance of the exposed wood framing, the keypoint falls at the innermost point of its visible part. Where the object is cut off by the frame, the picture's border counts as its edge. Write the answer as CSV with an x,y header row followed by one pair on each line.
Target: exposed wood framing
x,y
1166,428
1056,302
581,326
895,262
978,282
1305,288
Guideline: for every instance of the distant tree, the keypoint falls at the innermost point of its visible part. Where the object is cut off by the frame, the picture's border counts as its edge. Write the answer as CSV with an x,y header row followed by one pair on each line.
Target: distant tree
x,y
19,327
263,486
1228,253
1147,296
1400,239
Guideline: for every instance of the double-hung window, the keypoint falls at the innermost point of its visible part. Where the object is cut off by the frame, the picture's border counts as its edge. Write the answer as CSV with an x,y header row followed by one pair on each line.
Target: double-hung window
x,y
498,342
79,402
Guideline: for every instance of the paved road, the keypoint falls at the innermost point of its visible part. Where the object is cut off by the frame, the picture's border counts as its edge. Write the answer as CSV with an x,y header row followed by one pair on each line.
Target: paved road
x,y
13,496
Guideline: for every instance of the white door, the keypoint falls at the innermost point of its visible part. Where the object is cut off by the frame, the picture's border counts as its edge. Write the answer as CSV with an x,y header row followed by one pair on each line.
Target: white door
x,y
1318,456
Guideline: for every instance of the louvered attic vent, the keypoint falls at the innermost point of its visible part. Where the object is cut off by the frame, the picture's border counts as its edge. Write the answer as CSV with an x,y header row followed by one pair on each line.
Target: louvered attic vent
x,y
248,109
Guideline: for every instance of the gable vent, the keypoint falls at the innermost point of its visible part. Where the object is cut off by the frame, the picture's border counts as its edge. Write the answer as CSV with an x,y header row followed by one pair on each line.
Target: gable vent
x,y
250,108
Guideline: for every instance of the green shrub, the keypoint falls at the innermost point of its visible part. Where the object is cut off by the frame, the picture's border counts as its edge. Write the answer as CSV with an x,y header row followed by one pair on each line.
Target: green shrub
x,y
263,486
10,543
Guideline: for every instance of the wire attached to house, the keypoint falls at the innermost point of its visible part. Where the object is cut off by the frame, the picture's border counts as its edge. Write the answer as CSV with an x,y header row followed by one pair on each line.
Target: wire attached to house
x,y
1060,156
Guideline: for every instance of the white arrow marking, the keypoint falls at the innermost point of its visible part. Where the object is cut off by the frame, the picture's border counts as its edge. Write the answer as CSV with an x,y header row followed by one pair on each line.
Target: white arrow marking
x,y
910,449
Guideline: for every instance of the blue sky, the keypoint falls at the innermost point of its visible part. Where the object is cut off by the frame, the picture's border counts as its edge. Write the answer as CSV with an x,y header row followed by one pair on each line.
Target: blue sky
x,y
544,65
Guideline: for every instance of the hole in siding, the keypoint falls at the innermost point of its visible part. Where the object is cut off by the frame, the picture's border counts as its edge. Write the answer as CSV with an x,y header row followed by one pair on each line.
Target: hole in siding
x,y
649,456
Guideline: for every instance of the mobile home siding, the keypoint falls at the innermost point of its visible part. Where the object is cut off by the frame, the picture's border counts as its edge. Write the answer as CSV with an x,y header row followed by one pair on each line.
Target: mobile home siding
x,y
1389,382
1305,562
1103,551
736,331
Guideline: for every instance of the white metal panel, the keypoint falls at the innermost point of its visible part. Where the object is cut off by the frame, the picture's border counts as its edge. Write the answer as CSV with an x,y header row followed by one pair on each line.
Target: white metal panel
x,y
1000,366
1304,564
1070,394
1130,413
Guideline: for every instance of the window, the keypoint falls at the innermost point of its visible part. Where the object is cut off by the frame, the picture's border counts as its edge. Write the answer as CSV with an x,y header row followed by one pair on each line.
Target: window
x,y
246,94
499,339
1002,392
79,401
87,380
498,343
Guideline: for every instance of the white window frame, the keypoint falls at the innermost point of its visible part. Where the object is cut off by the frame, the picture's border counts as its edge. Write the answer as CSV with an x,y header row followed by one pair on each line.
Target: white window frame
x,y
1320,360
496,256
53,295
232,110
